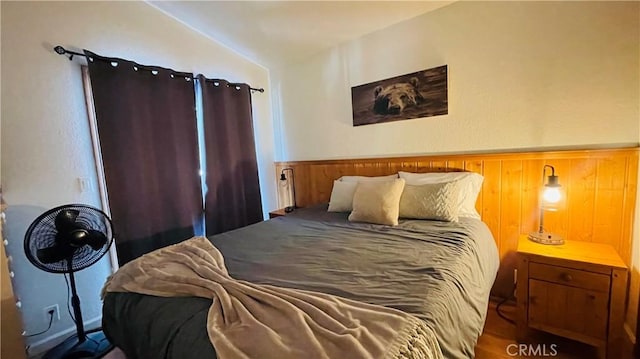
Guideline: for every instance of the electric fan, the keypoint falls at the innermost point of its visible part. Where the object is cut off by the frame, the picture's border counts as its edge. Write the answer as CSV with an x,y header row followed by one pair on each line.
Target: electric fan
x,y
67,239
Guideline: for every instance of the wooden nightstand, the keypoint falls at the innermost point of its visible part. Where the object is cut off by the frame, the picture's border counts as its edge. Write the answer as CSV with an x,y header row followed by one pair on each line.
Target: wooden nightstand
x,y
576,290
277,213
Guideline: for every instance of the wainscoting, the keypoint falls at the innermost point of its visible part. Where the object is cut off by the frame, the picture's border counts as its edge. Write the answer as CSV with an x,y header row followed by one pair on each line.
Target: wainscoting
x,y
599,193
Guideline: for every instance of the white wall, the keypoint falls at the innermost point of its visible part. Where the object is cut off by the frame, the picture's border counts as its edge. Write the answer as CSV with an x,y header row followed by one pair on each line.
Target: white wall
x,y
45,135
521,75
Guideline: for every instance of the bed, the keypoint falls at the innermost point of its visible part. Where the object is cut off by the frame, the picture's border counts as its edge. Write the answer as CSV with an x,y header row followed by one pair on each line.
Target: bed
x,y
441,272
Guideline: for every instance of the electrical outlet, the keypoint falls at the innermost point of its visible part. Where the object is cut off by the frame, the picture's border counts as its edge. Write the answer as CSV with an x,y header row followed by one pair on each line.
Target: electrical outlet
x,y
56,313
84,184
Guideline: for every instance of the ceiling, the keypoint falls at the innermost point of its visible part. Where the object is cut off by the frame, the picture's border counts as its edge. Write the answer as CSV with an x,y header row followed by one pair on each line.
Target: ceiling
x,y
276,33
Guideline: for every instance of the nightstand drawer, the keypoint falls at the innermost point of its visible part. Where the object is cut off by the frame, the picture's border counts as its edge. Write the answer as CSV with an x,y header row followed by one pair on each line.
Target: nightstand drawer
x,y
570,277
569,311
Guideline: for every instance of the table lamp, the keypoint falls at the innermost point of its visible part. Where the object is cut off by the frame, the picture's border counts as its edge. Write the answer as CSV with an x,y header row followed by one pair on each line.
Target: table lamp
x,y
292,185
551,196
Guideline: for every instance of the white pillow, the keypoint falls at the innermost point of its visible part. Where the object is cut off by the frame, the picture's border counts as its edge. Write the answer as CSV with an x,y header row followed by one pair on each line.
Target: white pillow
x,y
368,179
470,186
377,202
437,201
342,196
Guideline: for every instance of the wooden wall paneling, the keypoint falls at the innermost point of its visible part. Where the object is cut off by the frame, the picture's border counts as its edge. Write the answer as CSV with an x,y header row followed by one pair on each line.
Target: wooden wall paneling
x,y
395,167
510,207
581,198
491,197
455,166
608,202
323,183
302,182
491,208
341,169
438,166
628,207
423,166
633,304
531,191
366,169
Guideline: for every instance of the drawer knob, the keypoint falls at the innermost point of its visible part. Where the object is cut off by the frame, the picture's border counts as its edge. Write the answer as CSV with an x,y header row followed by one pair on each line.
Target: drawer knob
x,y
566,277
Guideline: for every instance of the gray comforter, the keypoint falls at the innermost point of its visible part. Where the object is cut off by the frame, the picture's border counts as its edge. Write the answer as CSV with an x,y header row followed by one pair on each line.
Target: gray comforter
x,y
440,272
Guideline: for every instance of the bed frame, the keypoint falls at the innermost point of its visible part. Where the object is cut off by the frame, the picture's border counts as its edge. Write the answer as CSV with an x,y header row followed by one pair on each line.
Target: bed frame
x,y
599,186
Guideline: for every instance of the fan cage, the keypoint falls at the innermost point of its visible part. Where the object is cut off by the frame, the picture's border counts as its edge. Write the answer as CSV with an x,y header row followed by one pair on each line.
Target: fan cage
x,y
42,234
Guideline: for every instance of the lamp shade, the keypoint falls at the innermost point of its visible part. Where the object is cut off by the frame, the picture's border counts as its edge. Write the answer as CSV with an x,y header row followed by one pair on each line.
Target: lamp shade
x,y
550,200
551,196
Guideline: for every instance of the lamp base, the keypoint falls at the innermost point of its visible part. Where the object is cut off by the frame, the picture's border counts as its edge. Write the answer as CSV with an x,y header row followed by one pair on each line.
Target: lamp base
x,y
546,238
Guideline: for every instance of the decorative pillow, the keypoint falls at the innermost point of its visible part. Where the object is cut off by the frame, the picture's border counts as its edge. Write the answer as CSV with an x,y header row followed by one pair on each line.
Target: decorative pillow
x,y
470,185
377,202
342,196
368,179
437,201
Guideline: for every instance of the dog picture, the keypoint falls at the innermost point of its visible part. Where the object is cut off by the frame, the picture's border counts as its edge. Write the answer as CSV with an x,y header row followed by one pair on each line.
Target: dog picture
x,y
416,95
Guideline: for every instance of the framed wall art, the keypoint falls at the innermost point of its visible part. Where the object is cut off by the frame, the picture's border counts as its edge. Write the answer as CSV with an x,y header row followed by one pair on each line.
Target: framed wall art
x,y
415,95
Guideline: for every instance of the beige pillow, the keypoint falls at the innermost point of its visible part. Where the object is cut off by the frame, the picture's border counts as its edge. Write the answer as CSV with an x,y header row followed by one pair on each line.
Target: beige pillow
x,y
342,196
470,186
368,179
437,201
377,202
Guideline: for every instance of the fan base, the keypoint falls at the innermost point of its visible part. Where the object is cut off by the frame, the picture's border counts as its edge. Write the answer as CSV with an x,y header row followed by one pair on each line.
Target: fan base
x,y
96,346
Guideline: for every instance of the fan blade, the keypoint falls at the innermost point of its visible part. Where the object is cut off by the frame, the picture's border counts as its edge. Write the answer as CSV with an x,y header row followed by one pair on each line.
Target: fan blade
x,y
54,254
66,220
96,239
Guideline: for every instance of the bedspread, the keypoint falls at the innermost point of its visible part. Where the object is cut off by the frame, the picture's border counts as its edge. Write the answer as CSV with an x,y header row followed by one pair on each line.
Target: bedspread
x,y
249,320
439,272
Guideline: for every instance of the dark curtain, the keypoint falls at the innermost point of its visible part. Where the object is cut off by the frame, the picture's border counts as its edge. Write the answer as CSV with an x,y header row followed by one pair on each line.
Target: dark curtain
x,y
148,138
232,198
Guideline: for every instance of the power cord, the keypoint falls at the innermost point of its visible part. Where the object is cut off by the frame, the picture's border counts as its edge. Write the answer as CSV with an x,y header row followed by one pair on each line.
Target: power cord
x,y
502,302
69,298
46,330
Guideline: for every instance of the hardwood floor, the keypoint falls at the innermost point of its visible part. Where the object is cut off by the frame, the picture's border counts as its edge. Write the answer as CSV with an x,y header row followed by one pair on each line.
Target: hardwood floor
x,y
498,339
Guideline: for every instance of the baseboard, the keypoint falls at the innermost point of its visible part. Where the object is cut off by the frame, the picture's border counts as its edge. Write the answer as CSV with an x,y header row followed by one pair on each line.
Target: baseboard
x,y
45,344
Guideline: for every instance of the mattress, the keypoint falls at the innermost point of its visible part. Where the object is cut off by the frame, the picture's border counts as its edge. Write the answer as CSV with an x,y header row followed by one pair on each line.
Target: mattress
x,y
438,271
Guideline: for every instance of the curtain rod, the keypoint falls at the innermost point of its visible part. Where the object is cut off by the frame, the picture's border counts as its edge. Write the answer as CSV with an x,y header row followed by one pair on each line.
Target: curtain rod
x,y
62,51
